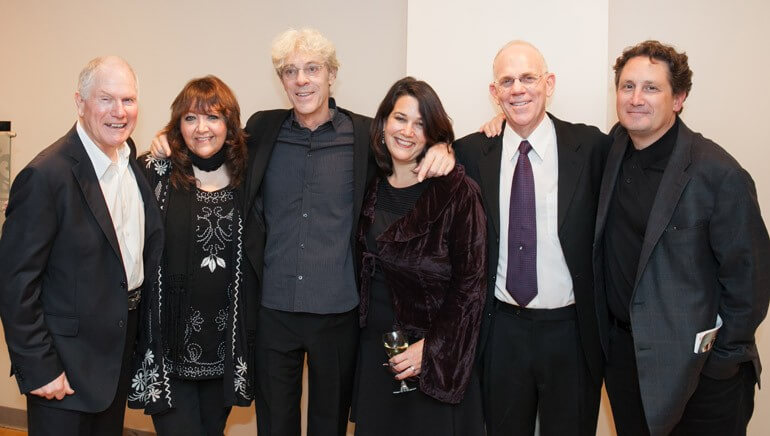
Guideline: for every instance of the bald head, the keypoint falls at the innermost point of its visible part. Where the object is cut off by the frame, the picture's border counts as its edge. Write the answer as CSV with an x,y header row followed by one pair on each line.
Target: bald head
x,y
521,48
521,85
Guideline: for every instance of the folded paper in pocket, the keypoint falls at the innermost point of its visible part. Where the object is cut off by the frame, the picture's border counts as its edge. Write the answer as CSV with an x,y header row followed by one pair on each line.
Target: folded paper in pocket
x,y
705,340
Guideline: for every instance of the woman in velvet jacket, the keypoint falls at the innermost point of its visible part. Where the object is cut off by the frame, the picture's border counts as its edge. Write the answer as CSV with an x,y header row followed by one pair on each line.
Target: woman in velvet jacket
x,y
421,249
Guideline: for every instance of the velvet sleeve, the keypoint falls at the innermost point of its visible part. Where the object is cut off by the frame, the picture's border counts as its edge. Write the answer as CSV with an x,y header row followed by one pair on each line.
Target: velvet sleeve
x,y
450,342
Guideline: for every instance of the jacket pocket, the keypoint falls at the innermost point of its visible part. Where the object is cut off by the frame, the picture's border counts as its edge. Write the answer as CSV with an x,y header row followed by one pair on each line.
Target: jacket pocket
x,y
62,325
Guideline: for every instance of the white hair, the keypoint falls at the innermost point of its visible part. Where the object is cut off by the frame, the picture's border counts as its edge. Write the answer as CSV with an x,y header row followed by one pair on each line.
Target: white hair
x,y
86,76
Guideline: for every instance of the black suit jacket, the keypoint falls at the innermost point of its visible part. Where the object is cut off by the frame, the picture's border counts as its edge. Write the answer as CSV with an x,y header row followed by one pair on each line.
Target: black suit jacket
x,y
63,289
705,252
582,151
262,130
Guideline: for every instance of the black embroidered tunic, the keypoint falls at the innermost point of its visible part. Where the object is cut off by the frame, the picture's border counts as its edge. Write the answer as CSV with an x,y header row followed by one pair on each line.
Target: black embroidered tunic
x,y
196,349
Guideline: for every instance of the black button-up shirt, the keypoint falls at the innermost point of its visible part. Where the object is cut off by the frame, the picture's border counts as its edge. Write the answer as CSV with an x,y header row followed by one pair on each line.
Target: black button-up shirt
x,y
635,190
308,203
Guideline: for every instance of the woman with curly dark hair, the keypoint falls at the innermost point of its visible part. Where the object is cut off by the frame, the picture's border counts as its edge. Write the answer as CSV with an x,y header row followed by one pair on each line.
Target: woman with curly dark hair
x,y
192,362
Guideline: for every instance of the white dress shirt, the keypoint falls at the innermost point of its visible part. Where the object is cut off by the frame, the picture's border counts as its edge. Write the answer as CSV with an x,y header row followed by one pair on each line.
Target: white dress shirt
x,y
121,193
554,283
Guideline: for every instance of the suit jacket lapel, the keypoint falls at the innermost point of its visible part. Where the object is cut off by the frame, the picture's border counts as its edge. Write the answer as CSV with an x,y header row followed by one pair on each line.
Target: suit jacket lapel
x,y
489,172
611,169
675,179
260,149
84,173
570,167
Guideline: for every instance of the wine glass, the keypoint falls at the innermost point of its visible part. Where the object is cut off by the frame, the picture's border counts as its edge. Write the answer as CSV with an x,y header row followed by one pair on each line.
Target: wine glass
x,y
395,343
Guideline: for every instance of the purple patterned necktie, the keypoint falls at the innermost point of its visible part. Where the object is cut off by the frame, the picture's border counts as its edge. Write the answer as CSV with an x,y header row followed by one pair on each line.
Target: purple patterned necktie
x,y
521,278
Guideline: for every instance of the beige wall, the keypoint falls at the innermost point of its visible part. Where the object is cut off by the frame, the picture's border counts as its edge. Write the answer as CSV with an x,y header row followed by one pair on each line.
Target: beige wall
x,y
45,44
449,44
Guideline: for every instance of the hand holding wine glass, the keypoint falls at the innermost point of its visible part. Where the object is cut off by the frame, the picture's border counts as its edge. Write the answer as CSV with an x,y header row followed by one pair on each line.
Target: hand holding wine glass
x,y
395,344
408,363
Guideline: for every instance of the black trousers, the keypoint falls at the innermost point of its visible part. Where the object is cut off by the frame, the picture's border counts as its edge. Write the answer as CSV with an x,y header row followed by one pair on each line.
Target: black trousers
x,y
716,408
50,421
198,410
330,343
534,365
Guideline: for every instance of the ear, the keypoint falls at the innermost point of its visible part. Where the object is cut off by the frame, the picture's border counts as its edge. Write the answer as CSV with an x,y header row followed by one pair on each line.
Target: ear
x,y
493,92
679,101
332,77
550,84
80,103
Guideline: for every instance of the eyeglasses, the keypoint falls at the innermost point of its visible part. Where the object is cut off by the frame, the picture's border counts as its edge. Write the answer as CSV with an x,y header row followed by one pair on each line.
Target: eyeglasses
x,y
311,70
528,81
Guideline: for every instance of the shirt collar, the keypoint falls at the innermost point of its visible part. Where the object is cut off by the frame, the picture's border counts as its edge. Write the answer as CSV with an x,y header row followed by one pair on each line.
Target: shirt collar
x,y
99,160
541,137
656,154
335,121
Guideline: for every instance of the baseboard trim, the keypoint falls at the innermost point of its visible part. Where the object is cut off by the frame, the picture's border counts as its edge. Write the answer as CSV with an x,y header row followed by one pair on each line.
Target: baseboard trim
x,y
17,419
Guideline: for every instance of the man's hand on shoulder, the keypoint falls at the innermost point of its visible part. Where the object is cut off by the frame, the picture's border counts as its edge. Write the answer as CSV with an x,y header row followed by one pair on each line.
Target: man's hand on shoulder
x,y
159,147
439,161
58,388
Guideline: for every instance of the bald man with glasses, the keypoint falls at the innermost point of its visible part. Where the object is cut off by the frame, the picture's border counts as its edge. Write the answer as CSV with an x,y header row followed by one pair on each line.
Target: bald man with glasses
x,y
539,348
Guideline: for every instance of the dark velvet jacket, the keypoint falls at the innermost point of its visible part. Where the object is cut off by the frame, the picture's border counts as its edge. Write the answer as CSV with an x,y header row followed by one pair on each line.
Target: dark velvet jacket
x,y
434,260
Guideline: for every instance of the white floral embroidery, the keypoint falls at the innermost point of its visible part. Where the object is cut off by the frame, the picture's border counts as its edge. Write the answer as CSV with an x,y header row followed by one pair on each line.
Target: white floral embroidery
x,y
159,165
196,320
241,386
213,232
145,383
221,320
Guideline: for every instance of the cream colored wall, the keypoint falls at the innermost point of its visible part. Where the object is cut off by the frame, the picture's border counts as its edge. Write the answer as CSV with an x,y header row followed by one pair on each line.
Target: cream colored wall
x,y
45,44
449,44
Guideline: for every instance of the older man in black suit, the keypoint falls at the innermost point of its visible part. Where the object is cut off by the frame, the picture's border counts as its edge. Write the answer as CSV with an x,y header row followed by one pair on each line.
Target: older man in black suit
x,y
540,181
682,261
82,229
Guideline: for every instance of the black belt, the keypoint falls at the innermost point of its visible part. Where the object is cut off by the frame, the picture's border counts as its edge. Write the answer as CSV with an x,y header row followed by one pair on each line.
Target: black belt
x,y
134,296
558,314
621,324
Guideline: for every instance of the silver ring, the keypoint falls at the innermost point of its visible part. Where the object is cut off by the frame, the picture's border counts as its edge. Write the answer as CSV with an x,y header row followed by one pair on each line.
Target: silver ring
x,y
413,370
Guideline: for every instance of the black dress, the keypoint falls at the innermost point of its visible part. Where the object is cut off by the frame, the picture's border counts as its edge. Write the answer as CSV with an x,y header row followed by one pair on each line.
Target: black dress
x,y
376,410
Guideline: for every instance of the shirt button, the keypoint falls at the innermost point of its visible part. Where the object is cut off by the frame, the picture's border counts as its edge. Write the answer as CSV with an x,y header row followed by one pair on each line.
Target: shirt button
x,y
628,179
299,278
521,247
304,215
120,323
302,246
309,154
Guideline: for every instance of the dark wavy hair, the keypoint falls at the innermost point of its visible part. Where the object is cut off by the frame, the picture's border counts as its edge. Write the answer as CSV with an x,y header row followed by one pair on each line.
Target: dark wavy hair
x,y
436,122
206,95
679,72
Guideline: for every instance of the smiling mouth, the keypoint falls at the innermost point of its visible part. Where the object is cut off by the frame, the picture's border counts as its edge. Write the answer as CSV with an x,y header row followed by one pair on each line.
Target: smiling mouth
x,y
304,94
519,103
204,138
116,125
404,143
